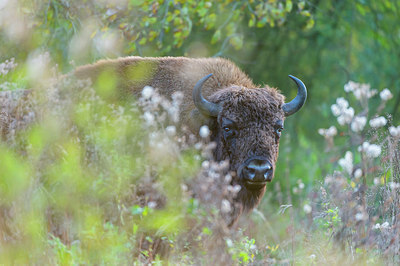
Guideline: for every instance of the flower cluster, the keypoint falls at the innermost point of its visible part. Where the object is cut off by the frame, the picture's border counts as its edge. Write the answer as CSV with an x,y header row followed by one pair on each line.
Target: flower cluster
x,y
370,150
152,103
342,111
394,131
385,94
329,132
358,123
347,162
378,122
361,91
6,66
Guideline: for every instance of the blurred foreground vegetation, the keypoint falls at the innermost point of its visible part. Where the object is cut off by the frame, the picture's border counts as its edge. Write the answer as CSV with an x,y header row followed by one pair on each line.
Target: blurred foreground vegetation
x,y
83,181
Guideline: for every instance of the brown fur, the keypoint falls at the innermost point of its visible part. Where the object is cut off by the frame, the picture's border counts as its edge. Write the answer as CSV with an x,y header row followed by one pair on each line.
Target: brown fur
x,y
254,109
169,74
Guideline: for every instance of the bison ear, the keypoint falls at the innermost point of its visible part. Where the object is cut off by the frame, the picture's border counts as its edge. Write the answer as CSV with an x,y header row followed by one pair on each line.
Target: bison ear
x,y
197,120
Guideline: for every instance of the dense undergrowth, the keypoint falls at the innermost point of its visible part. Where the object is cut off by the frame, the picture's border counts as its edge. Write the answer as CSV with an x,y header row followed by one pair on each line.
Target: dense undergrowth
x,y
88,181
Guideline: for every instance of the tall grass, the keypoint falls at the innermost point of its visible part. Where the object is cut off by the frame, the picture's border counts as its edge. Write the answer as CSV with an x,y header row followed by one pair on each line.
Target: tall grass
x,y
88,180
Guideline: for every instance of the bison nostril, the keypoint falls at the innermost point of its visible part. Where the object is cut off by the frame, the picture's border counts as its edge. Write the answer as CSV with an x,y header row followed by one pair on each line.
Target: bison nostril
x,y
258,171
249,173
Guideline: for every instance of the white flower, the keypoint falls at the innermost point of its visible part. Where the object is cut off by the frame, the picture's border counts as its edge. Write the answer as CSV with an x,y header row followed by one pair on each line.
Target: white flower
x,y
376,181
205,164
357,173
229,242
307,208
225,206
373,151
301,185
330,132
148,118
335,110
147,92
204,131
170,130
177,97
358,123
312,256
152,204
360,91
385,225
377,226
360,216
394,131
386,95
236,188
349,86
346,116
394,185
347,162
378,122
342,103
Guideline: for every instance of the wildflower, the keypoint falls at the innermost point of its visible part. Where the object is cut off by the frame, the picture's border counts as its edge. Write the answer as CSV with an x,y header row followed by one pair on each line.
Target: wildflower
x,y
346,116
394,131
147,92
170,130
357,173
361,216
229,242
386,95
342,103
349,86
148,118
177,97
204,131
234,189
312,256
205,164
358,123
307,208
377,226
347,162
335,110
378,122
301,185
225,206
385,225
342,110
330,132
7,66
152,204
376,181
394,185
371,150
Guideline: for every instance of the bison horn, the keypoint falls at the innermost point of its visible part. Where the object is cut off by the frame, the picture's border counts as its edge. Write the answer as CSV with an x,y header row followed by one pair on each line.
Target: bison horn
x,y
204,106
295,105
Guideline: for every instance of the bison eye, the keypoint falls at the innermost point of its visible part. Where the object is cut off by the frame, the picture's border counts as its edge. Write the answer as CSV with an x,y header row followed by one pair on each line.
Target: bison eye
x,y
227,129
279,131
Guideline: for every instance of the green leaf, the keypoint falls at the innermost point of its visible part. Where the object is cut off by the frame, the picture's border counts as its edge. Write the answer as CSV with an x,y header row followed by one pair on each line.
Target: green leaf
x,y
216,37
136,2
289,6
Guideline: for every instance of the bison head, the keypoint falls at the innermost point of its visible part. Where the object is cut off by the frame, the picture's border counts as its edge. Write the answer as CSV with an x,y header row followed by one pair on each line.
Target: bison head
x,y
246,125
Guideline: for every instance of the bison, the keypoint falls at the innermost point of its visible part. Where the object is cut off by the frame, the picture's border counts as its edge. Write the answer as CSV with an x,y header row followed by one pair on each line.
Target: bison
x,y
246,121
